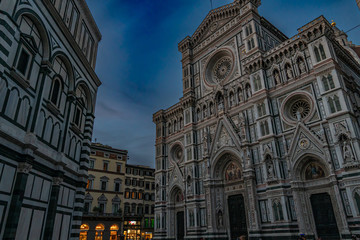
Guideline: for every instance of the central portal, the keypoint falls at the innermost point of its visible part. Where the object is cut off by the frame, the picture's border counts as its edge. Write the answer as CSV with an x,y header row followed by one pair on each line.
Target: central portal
x,y
237,216
324,216
180,226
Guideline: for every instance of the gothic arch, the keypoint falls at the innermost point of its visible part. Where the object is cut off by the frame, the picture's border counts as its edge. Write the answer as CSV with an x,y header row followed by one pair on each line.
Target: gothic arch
x,y
40,27
174,191
302,162
222,160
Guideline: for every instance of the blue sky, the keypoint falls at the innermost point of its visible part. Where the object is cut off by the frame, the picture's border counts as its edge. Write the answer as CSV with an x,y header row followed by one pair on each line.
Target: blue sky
x,y
139,64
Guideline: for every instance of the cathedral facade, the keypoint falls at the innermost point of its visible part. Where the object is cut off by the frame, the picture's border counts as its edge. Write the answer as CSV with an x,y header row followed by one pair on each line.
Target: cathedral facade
x,y
264,142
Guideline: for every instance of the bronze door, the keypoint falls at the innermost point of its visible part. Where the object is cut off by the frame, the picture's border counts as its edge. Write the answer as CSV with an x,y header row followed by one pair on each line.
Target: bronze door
x,y
237,216
324,216
180,229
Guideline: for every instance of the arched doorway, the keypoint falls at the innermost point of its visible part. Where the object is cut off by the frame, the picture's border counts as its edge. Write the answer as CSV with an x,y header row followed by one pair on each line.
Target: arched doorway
x,y
177,201
317,191
99,231
235,201
230,201
114,232
84,228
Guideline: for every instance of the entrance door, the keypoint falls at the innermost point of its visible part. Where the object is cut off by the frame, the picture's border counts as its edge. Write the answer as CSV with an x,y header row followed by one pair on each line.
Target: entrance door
x,y
180,229
325,221
237,216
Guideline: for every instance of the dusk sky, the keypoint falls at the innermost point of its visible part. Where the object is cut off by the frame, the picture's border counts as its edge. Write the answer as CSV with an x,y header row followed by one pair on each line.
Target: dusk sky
x,y
139,64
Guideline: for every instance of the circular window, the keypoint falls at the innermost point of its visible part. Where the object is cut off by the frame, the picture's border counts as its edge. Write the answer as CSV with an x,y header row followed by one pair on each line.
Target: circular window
x,y
222,68
177,153
219,67
298,106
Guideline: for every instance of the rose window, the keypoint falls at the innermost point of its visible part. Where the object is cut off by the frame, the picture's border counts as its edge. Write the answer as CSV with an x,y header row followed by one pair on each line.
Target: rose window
x,y
298,107
301,107
177,153
222,68
219,67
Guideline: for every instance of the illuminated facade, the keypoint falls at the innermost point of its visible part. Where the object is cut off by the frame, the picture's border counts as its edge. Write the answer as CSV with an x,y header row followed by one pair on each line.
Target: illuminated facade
x,y
48,89
265,141
119,199
104,198
139,202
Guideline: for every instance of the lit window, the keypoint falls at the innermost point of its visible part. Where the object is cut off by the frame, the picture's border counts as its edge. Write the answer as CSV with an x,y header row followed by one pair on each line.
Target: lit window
x,y
118,167
105,166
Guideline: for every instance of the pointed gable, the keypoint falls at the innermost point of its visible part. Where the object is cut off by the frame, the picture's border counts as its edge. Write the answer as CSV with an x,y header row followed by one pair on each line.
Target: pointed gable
x,y
304,141
225,136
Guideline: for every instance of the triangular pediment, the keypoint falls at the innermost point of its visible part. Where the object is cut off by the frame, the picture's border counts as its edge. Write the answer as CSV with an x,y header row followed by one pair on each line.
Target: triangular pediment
x,y
225,136
176,177
215,19
304,141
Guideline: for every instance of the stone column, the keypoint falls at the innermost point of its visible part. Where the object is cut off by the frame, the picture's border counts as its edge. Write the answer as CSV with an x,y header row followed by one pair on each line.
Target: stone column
x,y
17,199
250,190
50,218
302,212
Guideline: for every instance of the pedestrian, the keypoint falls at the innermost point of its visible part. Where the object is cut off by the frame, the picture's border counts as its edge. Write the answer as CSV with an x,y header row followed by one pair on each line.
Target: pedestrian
x,y
243,237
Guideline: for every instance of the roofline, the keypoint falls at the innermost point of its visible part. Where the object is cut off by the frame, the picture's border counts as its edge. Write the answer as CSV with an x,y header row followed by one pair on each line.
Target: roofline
x,y
107,148
91,19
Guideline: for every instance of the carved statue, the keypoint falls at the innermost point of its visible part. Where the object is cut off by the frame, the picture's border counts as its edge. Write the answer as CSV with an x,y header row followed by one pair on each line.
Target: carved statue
x,y
302,66
348,155
270,170
276,77
205,144
242,127
289,73
221,104
220,219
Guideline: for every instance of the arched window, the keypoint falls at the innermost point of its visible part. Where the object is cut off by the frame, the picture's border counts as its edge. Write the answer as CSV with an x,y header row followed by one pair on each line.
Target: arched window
x,y
114,232
80,108
331,105
331,81
175,126
84,228
264,128
325,83
317,54
99,230
322,52
337,103
169,128
357,202
30,42
278,213
55,92
181,121
257,83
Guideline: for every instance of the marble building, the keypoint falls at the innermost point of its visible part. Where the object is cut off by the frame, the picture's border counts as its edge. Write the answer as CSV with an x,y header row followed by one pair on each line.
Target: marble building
x,y
264,141
48,90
